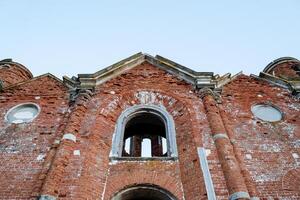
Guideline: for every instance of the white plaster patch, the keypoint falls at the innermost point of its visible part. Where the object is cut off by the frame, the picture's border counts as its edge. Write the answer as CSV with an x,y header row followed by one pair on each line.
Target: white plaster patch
x,y
76,152
69,136
265,177
40,157
270,147
248,156
112,92
295,155
37,97
199,115
56,141
149,97
146,97
259,95
175,113
207,152
110,107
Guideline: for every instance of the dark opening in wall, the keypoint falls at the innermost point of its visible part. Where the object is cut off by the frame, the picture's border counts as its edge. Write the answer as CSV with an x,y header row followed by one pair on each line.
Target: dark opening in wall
x,y
145,136
144,131
141,192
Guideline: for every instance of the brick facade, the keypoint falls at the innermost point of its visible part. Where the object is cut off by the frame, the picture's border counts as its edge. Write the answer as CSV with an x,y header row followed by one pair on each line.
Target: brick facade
x,y
64,153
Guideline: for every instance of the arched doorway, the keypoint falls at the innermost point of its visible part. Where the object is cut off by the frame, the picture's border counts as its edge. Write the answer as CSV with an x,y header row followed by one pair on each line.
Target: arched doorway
x,y
144,192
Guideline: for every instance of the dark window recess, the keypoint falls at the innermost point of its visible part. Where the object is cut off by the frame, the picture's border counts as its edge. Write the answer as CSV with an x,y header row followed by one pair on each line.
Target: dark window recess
x,y
144,193
145,136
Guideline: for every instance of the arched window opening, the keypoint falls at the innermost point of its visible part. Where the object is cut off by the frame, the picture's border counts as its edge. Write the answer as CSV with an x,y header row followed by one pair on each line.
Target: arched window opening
x,y
144,131
145,136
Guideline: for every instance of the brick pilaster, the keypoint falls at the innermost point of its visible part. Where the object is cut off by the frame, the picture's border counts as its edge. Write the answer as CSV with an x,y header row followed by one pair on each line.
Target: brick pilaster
x,y
50,189
234,179
137,146
156,143
238,154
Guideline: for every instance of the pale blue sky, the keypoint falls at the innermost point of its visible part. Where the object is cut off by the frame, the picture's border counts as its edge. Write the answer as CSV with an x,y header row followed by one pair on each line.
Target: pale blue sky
x,y
68,37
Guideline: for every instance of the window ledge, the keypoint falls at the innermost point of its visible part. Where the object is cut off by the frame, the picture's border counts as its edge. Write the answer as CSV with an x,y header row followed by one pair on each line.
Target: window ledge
x,y
143,159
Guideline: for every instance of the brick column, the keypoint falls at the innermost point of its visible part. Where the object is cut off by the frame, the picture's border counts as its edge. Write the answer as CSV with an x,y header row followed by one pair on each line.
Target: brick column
x,y
156,145
234,179
51,185
137,146
238,154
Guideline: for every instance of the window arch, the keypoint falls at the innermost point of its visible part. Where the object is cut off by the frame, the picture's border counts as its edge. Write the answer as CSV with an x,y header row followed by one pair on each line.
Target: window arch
x,y
144,131
144,192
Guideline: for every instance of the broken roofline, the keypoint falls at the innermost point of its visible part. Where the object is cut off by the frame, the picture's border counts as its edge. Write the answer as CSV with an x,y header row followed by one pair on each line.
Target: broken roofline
x,y
198,79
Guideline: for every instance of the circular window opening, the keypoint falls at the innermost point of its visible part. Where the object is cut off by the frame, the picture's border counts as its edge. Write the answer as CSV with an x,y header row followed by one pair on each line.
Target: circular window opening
x,y
22,113
266,112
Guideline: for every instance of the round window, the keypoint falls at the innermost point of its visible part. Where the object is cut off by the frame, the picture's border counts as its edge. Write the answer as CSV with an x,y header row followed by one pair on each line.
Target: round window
x,y
22,113
266,112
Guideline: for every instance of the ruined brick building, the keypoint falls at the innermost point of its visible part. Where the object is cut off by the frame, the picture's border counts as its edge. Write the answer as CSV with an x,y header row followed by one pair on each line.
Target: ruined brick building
x,y
149,128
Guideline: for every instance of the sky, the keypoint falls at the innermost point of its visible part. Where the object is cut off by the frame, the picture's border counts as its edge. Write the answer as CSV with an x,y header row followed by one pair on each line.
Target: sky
x,y
69,37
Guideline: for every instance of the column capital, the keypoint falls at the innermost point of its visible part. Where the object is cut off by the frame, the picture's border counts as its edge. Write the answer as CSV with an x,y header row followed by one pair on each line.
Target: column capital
x,y
85,94
203,92
80,95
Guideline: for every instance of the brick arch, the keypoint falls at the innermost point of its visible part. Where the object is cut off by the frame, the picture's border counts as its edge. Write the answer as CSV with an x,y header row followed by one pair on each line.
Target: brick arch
x,y
285,67
102,122
127,179
291,180
129,113
12,73
148,188
185,134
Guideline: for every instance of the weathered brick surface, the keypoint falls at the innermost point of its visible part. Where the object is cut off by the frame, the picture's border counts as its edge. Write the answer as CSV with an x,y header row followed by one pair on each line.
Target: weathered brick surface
x,y
267,147
12,73
234,180
286,70
142,85
33,162
25,147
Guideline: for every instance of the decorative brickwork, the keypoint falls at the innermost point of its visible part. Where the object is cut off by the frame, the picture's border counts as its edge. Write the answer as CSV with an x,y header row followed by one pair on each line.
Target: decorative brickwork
x,y
66,151
12,73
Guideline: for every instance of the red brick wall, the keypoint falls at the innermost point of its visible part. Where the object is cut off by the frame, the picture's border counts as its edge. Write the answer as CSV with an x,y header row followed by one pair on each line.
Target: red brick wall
x,y
285,70
25,147
13,74
268,147
143,84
